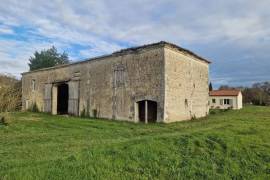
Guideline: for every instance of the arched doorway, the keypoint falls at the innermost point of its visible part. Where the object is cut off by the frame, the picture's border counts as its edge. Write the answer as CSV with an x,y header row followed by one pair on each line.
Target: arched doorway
x,y
147,111
62,99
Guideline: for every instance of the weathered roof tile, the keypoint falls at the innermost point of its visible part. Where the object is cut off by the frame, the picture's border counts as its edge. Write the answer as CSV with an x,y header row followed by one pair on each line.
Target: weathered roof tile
x,y
224,92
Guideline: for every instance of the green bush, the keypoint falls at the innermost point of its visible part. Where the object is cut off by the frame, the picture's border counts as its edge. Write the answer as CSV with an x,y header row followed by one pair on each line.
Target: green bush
x,y
217,111
33,108
3,121
85,114
94,113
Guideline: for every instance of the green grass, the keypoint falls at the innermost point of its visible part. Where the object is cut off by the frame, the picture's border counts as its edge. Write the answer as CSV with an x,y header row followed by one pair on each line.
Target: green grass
x,y
225,145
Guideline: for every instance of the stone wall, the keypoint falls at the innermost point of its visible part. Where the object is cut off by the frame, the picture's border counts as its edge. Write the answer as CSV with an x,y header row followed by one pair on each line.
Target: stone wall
x,y
110,86
186,86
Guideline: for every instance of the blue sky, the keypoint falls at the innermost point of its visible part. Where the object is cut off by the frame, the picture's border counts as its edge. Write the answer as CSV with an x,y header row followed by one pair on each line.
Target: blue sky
x,y
233,34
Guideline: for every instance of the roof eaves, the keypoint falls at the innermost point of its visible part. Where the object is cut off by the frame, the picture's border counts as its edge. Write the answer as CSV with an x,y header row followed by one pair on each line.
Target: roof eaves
x,y
126,51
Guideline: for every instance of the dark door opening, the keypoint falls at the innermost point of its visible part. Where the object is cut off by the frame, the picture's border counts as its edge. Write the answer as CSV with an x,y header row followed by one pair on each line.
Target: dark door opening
x,y
62,99
141,108
149,113
152,111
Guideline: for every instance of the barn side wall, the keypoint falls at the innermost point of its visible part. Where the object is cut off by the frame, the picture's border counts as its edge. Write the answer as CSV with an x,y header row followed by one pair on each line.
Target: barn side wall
x,y
109,87
186,87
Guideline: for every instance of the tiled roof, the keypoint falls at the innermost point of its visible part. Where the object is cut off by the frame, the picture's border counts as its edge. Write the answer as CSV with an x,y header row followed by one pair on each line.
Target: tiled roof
x,y
224,93
163,43
131,50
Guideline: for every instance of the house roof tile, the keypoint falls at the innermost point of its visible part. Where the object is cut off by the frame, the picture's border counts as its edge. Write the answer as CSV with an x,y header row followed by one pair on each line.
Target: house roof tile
x,y
224,92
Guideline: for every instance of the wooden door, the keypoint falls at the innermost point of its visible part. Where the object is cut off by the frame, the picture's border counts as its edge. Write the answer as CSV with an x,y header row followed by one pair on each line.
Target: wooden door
x,y
73,101
48,98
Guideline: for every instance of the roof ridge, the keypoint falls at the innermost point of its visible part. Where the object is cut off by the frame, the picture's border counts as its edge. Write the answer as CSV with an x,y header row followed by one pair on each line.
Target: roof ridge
x,y
126,50
164,43
227,90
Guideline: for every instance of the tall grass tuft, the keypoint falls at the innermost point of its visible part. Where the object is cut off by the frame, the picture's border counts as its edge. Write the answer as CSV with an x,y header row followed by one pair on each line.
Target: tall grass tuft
x,y
3,121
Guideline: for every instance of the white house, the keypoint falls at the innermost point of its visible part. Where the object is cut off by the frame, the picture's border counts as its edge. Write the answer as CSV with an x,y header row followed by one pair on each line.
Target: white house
x,y
225,99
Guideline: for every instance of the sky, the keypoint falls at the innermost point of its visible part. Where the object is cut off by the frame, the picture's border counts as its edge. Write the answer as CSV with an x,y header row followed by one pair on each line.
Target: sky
x,y
233,34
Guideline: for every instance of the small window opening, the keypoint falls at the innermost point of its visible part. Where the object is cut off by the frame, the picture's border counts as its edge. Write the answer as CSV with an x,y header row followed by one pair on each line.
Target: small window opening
x,y
227,101
33,84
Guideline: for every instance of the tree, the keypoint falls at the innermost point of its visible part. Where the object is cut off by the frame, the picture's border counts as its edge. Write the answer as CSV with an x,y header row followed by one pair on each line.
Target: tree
x,y
262,95
225,87
210,87
257,94
47,58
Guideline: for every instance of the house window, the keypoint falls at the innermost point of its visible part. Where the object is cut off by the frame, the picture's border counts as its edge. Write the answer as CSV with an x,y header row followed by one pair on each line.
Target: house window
x,y
213,101
33,84
227,101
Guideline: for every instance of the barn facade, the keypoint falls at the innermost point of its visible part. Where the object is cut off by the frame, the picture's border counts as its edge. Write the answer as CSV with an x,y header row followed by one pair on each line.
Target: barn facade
x,y
159,82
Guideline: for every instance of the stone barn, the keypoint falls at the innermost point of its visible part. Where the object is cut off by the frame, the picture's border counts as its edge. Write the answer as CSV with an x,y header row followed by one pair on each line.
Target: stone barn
x,y
159,82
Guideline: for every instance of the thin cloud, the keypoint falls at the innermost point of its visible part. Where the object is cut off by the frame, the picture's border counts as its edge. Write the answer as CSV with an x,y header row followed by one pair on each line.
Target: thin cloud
x,y
233,33
4,29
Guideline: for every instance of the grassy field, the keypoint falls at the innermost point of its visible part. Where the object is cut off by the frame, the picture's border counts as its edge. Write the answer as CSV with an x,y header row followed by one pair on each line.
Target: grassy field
x,y
225,145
